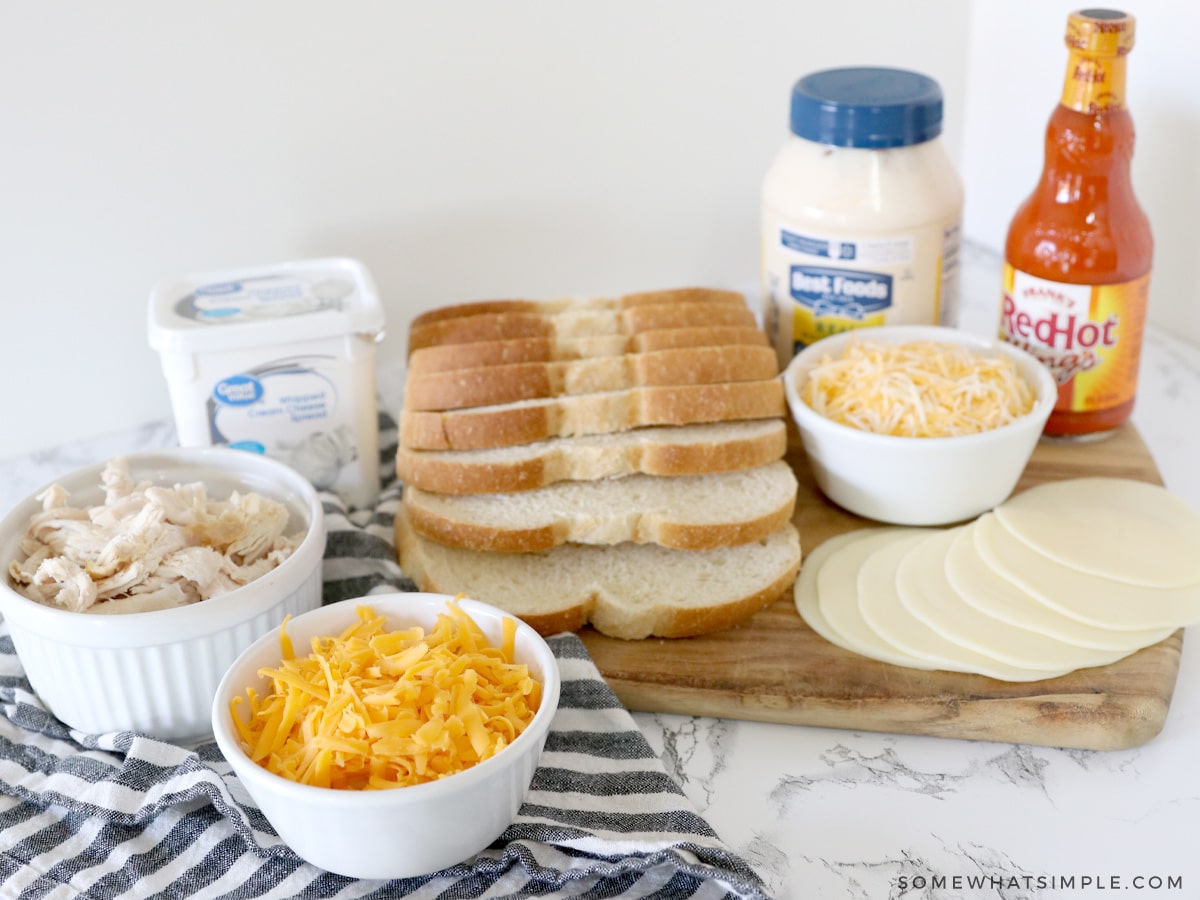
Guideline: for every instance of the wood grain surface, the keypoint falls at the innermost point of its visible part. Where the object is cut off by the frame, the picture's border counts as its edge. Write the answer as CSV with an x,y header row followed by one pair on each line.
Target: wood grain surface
x,y
774,668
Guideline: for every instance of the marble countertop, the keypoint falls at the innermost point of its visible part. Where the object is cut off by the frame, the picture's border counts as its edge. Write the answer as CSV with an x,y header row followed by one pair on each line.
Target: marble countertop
x,y
823,813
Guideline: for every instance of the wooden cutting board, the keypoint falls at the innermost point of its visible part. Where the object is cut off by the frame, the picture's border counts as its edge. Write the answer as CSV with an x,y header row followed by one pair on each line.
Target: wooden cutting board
x,y
774,668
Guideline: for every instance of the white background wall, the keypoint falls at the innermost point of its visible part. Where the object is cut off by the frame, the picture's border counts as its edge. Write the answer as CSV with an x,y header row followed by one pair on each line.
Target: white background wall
x,y
468,150
461,150
1014,79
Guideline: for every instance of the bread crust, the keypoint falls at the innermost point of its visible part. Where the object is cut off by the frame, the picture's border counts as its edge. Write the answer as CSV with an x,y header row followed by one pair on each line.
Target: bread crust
x,y
485,307
444,476
574,323
697,336
511,424
575,459
475,429
637,319
452,357
643,528
571,617
577,612
549,307
488,327
495,385
682,459
478,354
680,623
712,402
680,295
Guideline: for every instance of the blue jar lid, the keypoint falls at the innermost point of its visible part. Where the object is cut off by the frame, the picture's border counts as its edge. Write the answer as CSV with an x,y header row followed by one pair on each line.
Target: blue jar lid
x,y
867,107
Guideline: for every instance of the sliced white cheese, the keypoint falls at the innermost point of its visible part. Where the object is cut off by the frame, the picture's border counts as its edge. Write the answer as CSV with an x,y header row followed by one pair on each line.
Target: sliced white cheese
x,y
986,590
1081,595
927,594
884,612
979,598
837,599
1124,530
805,592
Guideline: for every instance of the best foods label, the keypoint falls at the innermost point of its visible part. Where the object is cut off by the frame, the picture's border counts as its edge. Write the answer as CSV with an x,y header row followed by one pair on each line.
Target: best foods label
x,y
824,284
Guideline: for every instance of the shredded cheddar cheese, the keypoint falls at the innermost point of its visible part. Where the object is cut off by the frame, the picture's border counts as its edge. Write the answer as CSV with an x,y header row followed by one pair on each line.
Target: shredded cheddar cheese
x,y
918,389
373,709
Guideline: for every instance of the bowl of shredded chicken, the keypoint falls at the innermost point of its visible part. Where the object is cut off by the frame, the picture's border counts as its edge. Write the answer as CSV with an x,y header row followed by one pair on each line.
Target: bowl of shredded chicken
x,y
131,584
147,545
917,425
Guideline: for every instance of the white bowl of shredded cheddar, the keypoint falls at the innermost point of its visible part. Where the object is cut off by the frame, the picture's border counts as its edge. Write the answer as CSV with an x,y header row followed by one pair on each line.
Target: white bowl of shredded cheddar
x,y
917,425
389,736
149,575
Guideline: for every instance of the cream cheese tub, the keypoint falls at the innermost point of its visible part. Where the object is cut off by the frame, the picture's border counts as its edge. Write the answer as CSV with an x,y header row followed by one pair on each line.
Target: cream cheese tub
x,y
277,360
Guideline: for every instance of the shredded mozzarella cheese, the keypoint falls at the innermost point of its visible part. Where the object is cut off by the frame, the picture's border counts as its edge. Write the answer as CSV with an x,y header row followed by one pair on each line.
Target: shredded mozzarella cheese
x,y
918,389
371,709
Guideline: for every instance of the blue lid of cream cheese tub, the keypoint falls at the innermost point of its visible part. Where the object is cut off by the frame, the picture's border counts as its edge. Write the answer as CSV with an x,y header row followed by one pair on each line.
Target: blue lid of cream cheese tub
x,y
265,305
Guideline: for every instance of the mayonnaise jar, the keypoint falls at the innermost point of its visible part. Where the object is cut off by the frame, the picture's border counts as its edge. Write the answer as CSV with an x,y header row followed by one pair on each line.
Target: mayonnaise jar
x,y
861,210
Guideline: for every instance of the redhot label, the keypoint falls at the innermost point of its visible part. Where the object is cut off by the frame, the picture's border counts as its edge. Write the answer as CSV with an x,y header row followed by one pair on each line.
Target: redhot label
x,y
1088,335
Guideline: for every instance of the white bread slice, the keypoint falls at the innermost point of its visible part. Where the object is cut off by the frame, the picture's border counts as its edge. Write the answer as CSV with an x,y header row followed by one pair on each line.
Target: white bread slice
x,y
627,591
549,307
528,421
574,321
657,450
449,357
493,385
687,512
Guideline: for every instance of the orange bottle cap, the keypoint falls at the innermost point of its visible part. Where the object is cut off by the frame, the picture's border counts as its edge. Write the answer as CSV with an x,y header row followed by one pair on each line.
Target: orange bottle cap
x,y
1103,32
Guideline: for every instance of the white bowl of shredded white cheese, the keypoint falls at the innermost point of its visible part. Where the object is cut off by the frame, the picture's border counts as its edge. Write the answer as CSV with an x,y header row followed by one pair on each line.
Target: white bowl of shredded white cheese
x,y
129,586
917,425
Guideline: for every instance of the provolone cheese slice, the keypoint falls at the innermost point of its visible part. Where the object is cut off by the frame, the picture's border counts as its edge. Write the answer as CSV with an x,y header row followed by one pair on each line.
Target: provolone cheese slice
x,y
805,591
983,588
928,595
1124,530
837,600
885,613
1090,598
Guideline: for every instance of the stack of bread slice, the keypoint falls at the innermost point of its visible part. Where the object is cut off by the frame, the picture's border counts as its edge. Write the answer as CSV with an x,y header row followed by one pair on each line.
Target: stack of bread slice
x,y
612,461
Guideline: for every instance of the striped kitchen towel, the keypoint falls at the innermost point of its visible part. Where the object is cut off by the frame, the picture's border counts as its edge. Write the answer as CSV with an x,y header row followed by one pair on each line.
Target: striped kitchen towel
x,y
122,815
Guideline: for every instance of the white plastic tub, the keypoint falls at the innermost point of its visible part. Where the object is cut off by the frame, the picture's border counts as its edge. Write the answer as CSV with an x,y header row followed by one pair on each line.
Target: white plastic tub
x,y
277,360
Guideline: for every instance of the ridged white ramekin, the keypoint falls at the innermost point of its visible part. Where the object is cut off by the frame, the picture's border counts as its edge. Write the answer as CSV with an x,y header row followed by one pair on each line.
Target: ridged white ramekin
x,y
157,672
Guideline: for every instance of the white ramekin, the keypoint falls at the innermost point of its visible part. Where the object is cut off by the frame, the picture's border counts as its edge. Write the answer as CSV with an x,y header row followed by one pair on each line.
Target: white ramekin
x,y
917,480
401,832
157,672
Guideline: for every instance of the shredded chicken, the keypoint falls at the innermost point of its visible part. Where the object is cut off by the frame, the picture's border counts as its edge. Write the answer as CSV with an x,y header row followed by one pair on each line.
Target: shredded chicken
x,y
148,546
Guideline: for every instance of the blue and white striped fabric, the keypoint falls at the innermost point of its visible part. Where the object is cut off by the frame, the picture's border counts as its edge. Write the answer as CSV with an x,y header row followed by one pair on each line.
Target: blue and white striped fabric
x,y
121,815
